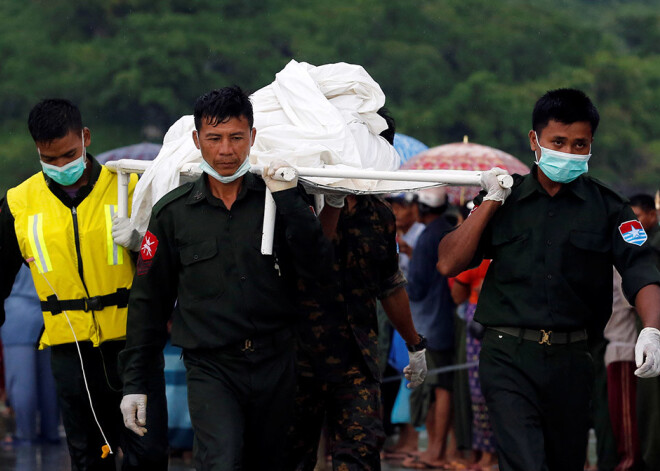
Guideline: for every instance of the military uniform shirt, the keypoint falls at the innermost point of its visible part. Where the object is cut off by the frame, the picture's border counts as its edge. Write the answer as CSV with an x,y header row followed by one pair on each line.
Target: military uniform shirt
x,y
208,259
553,256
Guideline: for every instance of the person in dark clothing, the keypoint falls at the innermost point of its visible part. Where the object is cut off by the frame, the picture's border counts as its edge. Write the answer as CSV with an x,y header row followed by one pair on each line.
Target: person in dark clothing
x,y
59,222
235,306
553,245
338,371
433,313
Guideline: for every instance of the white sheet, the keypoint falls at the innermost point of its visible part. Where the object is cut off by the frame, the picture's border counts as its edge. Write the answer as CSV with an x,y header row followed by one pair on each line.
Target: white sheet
x,y
309,116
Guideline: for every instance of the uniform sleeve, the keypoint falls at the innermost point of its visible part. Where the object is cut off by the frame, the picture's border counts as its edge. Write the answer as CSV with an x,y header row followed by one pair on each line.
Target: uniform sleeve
x,y
389,274
634,262
311,251
150,306
10,256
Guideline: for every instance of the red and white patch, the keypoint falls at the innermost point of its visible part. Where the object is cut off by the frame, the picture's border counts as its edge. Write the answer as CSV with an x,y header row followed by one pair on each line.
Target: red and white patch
x,y
149,246
633,232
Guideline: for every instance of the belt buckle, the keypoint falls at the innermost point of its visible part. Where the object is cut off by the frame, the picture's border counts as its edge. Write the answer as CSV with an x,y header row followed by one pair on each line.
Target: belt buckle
x,y
247,347
93,304
545,337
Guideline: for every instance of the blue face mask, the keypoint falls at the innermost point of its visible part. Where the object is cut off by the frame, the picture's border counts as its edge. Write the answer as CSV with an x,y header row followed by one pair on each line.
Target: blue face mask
x,y
242,170
561,167
68,174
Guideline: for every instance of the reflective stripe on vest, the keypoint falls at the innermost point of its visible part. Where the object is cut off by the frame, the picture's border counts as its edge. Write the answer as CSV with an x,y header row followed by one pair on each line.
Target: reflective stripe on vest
x,y
115,254
38,243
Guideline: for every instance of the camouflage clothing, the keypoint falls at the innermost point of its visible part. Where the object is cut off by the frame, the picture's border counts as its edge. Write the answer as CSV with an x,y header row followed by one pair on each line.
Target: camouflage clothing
x,y
339,323
354,426
338,342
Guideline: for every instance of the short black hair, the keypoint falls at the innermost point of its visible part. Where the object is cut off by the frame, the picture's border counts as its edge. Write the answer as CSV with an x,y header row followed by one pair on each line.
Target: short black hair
x,y
217,106
566,105
643,201
388,134
53,118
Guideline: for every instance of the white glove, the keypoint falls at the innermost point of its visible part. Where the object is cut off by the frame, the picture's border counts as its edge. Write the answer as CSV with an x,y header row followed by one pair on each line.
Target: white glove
x,y
125,235
415,372
134,409
648,345
490,183
335,201
279,176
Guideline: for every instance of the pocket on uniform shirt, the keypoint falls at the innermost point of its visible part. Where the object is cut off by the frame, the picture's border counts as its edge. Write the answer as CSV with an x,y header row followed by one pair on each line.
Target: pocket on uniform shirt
x,y
201,276
507,249
586,250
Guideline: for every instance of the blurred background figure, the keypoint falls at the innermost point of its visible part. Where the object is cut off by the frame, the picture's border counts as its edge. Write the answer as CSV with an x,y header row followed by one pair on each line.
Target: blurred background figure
x,y
433,314
648,389
467,286
29,381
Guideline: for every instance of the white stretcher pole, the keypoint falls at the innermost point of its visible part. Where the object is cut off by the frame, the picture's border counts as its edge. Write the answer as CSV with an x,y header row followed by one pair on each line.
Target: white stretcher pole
x,y
268,229
450,177
123,179
125,167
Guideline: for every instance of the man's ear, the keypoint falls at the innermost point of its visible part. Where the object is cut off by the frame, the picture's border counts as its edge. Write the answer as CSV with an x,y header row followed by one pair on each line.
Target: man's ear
x,y
87,137
532,140
253,136
195,136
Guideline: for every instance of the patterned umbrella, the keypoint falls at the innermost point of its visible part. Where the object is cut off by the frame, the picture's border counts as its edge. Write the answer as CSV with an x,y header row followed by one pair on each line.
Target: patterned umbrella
x,y
464,156
407,146
141,151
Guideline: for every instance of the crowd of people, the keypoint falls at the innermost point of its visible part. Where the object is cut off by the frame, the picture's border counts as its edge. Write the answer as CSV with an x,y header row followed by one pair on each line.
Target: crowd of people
x,y
505,308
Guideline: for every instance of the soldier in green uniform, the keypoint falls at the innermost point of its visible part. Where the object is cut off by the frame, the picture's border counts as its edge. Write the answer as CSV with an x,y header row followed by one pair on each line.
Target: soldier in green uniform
x,y
234,306
553,244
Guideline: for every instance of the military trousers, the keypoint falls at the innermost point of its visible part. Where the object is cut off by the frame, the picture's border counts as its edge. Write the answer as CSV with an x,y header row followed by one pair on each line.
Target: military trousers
x,y
82,433
538,397
352,413
241,401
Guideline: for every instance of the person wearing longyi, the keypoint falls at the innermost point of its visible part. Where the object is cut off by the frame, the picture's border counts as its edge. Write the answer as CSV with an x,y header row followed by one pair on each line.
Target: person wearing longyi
x,y
553,239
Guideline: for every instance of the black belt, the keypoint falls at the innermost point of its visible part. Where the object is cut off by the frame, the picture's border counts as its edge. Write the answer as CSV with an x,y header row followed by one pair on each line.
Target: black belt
x,y
96,303
266,341
542,336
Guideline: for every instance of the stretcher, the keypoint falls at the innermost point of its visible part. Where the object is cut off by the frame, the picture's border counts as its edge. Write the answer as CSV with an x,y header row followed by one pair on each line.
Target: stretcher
x,y
399,180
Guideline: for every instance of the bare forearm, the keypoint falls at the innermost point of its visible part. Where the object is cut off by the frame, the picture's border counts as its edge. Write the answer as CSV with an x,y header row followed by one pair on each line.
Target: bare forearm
x,y
457,249
647,303
397,308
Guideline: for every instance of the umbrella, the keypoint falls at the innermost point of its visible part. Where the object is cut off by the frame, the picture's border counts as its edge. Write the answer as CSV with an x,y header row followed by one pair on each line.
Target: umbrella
x,y
141,151
407,146
464,156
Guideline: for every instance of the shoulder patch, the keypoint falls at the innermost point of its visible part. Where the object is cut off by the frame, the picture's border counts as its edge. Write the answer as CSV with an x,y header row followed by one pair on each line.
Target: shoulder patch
x,y
173,195
633,232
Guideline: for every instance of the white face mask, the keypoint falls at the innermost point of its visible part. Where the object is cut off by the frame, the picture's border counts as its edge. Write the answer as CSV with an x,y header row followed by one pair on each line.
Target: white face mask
x,y
561,167
242,170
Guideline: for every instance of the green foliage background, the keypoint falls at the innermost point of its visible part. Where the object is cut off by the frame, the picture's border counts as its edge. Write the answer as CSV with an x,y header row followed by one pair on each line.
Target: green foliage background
x,y
448,67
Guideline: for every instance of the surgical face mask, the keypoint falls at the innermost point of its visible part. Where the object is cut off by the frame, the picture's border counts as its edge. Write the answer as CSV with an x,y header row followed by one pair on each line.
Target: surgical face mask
x,y
561,167
242,170
70,173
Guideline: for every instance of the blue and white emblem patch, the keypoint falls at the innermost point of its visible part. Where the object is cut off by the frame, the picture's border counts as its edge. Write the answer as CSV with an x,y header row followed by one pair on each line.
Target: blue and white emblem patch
x,y
633,232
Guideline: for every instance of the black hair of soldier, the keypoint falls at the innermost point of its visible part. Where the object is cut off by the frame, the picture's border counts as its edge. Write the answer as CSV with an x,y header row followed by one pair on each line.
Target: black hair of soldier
x,y
643,201
222,104
388,134
566,105
53,118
